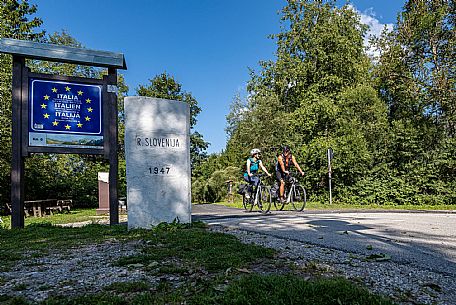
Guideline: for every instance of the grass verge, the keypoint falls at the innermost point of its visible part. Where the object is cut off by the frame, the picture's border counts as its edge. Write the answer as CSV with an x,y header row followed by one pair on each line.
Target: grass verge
x,y
312,205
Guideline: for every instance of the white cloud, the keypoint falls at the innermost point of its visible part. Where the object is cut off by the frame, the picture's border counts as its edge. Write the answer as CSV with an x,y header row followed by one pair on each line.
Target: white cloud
x,y
368,17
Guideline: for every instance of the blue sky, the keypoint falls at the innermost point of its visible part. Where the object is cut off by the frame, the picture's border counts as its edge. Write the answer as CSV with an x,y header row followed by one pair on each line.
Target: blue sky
x,y
207,45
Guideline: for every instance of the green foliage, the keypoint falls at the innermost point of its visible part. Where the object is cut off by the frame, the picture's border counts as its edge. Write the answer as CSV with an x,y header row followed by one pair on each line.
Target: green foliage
x,y
63,177
316,95
212,186
16,21
390,121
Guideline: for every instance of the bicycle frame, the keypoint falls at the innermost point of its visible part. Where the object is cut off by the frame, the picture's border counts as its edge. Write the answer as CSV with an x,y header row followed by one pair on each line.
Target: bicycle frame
x,y
294,193
289,187
257,190
260,202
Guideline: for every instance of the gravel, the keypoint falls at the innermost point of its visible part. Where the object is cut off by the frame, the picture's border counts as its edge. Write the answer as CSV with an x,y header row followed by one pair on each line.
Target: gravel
x,y
88,269
405,283
72,272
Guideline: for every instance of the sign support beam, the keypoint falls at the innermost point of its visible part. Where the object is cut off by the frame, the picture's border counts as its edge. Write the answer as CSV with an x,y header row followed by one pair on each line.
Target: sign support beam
x,y
17,162
113,158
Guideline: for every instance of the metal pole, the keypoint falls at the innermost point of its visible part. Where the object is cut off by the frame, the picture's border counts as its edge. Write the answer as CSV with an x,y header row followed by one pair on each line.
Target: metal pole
x,y
329,175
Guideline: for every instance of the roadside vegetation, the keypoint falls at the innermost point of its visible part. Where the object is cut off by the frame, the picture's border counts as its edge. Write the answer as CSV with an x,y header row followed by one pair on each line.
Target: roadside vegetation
x,y
212,268
386,109
316,205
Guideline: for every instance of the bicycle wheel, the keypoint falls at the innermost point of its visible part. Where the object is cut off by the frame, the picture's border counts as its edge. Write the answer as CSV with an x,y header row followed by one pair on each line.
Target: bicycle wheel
x,y
264,202
298,198
245,202
279,205
251,201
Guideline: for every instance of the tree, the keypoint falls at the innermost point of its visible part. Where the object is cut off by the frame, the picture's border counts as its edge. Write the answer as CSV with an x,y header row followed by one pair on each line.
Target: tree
x,y
49,67
415,77
316,94
166,87
16,21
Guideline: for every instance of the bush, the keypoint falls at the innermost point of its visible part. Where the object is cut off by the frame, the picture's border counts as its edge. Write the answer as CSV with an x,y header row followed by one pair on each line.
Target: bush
x,y
214,188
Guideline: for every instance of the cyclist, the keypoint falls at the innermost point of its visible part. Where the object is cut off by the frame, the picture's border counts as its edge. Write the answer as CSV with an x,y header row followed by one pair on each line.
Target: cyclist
x,y
253,165
284,161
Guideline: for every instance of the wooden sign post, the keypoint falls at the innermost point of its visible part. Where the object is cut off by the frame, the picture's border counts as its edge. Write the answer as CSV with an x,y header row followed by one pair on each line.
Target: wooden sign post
x,y
62,114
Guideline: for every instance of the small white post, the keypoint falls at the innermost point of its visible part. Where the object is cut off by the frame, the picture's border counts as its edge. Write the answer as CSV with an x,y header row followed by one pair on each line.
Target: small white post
x,y
330,155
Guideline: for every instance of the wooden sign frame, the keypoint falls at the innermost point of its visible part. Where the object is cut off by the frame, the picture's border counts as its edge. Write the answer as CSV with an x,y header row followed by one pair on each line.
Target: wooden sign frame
x,y
20,142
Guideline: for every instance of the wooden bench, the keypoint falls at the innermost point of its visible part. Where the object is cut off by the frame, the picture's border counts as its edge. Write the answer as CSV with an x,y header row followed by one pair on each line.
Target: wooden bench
x,y
39,208
122,204
65,205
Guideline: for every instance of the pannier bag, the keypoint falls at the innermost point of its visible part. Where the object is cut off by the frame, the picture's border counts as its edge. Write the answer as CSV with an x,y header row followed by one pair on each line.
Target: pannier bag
x,y
242,189
274,190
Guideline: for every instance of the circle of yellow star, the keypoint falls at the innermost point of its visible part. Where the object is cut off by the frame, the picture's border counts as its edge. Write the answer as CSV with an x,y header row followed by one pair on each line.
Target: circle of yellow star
x,y
54,90
43,106
46,116
88,101
79,124
55,123
67,126
87,118
46,97
80,92
67,88
89,109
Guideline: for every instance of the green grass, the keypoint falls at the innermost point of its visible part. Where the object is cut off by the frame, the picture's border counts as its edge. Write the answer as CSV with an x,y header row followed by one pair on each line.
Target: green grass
x,y
339,206
76,215
246,289
195,247
290,289
19,287
312,205
126,287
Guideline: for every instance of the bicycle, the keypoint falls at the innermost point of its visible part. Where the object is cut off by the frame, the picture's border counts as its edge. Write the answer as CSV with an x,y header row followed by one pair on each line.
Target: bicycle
x,y
295,194
261,197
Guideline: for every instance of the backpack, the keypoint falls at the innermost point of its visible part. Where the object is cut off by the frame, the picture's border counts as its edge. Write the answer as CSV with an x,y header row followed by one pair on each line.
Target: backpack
x,y
277,165
244,167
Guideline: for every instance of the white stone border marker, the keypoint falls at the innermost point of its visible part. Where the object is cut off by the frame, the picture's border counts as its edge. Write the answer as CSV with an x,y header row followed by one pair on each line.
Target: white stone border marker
x,y
157,153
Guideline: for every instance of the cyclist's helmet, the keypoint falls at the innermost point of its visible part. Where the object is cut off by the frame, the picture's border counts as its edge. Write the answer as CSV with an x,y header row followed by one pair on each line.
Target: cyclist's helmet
x,y
255,151
286,149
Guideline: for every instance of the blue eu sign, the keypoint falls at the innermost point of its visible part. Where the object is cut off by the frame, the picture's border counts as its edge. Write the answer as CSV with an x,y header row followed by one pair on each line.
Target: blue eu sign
x,y
65,114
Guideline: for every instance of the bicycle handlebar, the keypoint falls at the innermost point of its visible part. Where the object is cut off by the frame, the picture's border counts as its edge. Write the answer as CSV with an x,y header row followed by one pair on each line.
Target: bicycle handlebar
x,y
258,175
